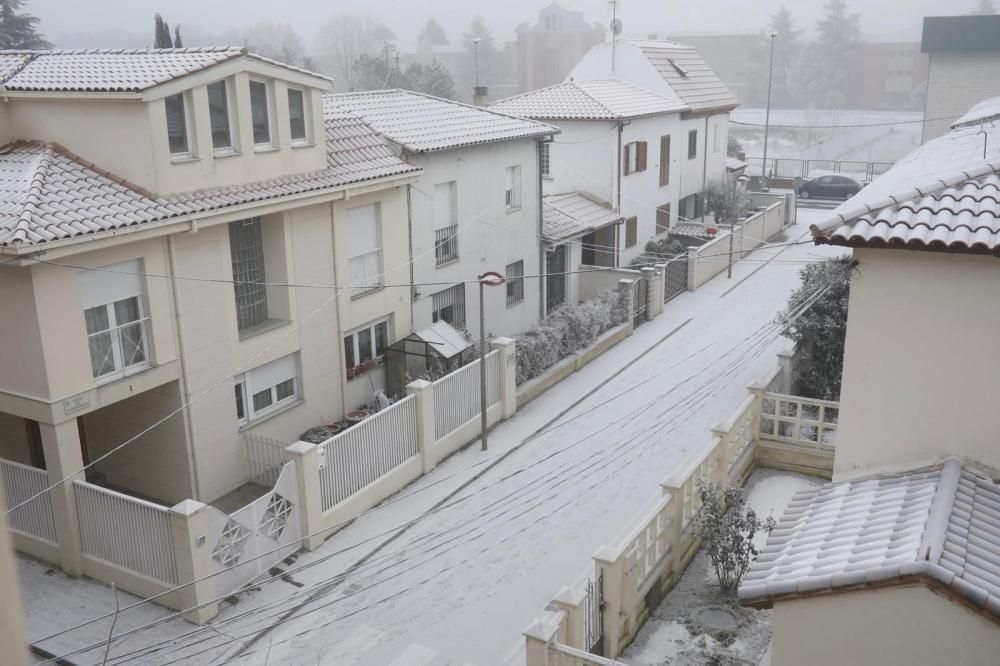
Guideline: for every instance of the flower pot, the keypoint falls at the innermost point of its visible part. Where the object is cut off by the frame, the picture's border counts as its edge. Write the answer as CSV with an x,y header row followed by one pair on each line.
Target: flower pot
x,y
711,231
357,416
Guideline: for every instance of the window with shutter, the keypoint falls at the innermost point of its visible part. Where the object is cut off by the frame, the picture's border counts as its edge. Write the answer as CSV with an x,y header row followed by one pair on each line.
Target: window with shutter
x,y
662,219
640,159
363,247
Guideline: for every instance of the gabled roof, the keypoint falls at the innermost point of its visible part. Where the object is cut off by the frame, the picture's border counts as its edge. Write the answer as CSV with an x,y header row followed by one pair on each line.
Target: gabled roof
x,y
941,526
609,99
688,75
987,110
943,196
112,70
574,214
423,123
48,194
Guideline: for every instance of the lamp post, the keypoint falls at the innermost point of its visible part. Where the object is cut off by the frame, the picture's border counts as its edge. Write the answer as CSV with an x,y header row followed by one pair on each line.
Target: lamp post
x,y
767,115
488,279
475,55
732,225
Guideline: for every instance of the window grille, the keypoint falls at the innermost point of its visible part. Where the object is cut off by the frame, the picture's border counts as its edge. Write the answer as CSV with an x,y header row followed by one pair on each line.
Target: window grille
x,y
246,245
446,244
449,306
515,283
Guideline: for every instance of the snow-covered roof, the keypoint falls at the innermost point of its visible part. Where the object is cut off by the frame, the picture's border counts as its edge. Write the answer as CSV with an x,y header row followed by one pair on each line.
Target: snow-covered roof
x,y
734,164
988,109
47,193
423,123
940,525
444,338
608,99
945,195
112,70
566,216
688,75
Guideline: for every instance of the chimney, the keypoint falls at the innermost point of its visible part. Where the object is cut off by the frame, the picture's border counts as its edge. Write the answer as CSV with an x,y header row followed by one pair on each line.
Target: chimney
x,y
480,95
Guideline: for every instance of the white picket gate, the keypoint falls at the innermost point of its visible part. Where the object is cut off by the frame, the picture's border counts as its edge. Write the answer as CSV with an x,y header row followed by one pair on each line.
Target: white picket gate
x,y
456,396
251,540
22,482
365,452
126,531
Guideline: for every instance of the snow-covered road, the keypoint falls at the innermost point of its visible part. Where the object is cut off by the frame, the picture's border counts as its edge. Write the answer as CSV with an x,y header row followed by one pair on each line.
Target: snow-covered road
x,y
461,583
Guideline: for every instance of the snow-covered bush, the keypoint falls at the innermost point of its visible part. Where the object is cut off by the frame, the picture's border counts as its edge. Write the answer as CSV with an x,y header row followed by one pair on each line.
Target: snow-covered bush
x,y
820,330
728,527
722,202
566,330
658,252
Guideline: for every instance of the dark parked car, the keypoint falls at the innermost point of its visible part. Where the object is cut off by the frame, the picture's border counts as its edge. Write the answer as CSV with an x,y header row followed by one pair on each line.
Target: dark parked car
x,y
829,187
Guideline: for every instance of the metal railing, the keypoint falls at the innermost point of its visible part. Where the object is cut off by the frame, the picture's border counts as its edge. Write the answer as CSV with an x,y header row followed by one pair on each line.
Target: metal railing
x,y
265,458
21,482
126,531
456,396
446,244
367,451
800,421
780,167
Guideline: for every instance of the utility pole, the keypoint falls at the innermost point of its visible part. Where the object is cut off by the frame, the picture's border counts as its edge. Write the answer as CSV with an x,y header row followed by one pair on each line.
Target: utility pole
x,y
732,224
767,115
488,279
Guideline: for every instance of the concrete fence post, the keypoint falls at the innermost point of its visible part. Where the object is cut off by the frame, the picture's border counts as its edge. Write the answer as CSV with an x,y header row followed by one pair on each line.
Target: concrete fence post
x,y
654,293
692,267
572,600
626,289
611,573
758,391
193,555
537,639
785,364
307,459
63,458
676,492
508,375
424,392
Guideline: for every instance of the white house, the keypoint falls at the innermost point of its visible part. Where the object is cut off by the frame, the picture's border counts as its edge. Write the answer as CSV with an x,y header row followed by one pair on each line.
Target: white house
x,y
475,208
898,560
644,130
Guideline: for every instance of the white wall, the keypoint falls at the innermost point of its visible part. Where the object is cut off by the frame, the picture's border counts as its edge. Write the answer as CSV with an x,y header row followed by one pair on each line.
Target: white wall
x,y
583,157
489,237
920,367
955,83
893,625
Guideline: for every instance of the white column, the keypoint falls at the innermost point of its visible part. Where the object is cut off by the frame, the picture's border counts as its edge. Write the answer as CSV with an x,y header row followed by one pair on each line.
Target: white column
x,y
627,293
424,392
193,554
306,457
692,267
611,573
63,458
654,297
536,644
12,641
508,375
572,600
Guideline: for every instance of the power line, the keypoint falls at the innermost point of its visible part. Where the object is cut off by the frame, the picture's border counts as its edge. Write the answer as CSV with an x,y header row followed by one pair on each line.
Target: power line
x,y
850,126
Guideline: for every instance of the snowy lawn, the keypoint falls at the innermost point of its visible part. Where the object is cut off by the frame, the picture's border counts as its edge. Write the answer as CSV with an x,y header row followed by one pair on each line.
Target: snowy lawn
x,y
672,634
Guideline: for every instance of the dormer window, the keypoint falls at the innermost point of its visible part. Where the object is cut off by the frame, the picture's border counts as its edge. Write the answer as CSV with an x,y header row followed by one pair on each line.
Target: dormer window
x,y
218,112
260,113
297,115
177,126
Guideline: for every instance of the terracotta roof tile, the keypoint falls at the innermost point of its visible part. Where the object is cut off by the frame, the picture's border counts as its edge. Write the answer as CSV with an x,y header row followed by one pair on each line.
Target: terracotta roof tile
x,y
609,99
574,214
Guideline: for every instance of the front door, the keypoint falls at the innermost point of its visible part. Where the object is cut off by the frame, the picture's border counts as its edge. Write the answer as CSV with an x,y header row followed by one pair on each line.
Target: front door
x,y
555,278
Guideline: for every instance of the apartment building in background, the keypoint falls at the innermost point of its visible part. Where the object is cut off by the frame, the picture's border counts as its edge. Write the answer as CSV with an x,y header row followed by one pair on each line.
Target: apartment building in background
x,y
546,51
475,207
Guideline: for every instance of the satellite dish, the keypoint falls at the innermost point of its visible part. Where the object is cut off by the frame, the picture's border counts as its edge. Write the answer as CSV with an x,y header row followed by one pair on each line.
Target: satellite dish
x,y
616,27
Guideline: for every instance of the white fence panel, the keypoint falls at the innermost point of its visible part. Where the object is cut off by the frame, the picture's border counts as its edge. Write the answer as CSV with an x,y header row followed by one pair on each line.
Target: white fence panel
x,y
265,458
800,421
456,396
126,531
362,454
251,540
21,482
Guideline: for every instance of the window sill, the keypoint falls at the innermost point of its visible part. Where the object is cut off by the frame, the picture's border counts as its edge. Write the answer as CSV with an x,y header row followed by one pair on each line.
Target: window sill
x,y
118,376
449,262
378,363
546,176
248,425
264,327
514,305
513,209
183,159
265,149
361,293
303,144
223,153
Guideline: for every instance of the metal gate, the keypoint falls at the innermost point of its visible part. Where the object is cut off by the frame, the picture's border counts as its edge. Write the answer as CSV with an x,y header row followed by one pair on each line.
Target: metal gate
x,y
593,617
675,276
640,304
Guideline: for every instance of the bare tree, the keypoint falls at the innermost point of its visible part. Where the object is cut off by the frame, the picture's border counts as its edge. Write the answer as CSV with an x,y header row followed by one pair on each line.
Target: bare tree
x,y
342,41
274,40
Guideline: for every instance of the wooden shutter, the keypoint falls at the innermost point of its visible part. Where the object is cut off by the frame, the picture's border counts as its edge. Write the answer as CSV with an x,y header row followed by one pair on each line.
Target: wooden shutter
x,y
664,160
631,231
628,158
663,218
640,160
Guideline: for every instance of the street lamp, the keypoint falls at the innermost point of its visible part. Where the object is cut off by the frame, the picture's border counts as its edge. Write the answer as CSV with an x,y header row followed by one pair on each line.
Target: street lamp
x,y
475,52
732,225
488,279
767,115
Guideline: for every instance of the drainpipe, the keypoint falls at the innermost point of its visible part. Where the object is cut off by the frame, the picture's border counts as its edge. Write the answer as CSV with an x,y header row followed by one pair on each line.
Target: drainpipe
x,y
618,192
409,226
541,243
342,362
185,394
704,172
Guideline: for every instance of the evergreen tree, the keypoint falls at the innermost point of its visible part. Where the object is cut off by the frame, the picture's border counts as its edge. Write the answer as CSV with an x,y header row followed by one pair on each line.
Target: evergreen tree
x,y
161,33
431,35
177,37
19,30
433,79
827,73
380,72
787,46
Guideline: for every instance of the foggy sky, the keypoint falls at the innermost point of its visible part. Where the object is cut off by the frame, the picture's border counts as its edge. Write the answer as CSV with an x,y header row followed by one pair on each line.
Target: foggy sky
x,y
887,19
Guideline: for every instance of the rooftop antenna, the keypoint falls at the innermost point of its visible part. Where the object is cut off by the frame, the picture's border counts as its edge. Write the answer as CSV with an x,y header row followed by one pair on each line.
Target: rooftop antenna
x,y
986,136
616,29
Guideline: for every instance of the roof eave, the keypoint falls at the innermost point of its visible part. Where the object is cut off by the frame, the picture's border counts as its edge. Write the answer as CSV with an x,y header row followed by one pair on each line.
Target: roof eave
x,y
69,94
420,150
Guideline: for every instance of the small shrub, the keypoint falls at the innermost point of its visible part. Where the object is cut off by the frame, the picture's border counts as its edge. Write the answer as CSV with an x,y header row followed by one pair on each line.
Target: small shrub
x,y
659,251
728,527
